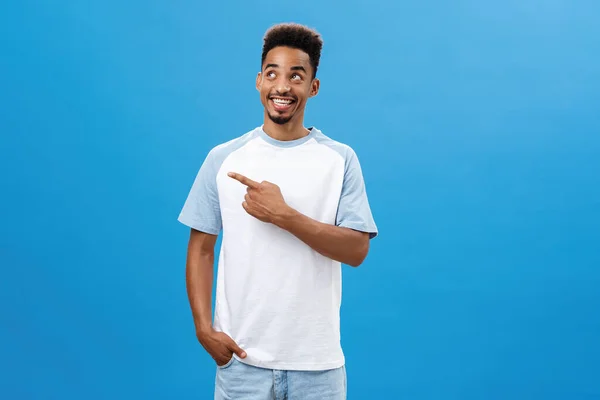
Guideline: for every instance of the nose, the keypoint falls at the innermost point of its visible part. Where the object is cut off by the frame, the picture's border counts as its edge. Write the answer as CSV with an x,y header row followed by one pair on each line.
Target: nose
x,y
282,86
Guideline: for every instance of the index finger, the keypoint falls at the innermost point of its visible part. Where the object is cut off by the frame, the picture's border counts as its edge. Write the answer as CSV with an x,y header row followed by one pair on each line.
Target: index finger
x,y
243,180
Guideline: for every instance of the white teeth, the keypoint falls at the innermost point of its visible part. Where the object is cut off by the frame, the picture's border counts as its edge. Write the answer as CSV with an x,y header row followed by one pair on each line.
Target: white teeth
x,y
282,102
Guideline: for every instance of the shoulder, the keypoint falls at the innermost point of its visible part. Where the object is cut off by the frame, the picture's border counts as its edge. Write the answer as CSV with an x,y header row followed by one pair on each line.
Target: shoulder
x,y
343,149
220,152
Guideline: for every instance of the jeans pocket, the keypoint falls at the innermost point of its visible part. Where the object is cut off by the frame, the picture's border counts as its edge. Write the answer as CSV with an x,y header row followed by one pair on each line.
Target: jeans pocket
x,y
227,364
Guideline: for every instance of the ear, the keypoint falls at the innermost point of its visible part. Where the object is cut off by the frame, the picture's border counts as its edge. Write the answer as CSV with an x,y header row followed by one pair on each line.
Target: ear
x,y
258,81
314,87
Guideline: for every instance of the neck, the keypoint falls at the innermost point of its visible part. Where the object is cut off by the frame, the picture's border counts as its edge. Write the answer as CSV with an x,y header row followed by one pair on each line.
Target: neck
x,y
291,130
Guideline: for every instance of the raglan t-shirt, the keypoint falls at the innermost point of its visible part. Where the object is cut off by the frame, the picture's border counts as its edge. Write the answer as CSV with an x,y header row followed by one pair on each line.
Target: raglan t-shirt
x,y
276,297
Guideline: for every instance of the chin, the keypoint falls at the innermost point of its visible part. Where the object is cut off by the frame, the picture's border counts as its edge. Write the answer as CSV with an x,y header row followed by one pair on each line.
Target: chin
x,y
279,120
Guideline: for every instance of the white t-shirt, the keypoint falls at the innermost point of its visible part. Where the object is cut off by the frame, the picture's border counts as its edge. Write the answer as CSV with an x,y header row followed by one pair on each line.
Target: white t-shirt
x,y
275,296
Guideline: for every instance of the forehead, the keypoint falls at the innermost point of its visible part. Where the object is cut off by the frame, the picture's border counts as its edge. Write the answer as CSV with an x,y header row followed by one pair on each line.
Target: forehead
x,y
287,57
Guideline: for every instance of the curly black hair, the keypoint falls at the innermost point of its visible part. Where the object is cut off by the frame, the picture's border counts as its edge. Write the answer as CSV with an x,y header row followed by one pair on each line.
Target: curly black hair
x,y
295,36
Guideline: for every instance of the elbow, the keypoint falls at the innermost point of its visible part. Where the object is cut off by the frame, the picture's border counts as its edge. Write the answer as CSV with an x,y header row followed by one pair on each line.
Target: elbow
x,y
359,255
355,263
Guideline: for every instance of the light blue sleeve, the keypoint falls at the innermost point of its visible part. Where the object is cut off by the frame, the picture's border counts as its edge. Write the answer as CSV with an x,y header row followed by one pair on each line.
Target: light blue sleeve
x,y
354,211
201,210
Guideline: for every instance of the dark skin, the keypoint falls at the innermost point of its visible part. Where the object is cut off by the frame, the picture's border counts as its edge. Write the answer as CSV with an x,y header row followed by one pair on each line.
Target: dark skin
x,y
286,73
199,278
265,202
287,76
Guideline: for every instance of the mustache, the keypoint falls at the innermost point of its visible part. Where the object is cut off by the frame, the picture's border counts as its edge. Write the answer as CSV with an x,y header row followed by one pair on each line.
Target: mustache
x,y
286,95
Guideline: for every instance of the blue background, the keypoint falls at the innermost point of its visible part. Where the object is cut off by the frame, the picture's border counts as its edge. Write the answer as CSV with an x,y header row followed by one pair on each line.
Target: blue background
x,y
477,125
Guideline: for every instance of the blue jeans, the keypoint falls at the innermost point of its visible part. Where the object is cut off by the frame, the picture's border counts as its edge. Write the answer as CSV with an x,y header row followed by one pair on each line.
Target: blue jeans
x,y
238,381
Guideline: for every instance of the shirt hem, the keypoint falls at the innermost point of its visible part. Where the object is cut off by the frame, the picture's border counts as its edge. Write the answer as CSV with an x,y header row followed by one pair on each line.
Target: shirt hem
x,y
372,231
198,226
293,366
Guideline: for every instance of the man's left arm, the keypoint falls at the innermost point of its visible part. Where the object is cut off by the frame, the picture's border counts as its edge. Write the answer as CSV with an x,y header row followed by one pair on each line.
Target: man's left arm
x,y
338,243
347,241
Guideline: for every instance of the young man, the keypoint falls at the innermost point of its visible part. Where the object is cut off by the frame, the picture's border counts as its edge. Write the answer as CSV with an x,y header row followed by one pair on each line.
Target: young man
x,y
292,205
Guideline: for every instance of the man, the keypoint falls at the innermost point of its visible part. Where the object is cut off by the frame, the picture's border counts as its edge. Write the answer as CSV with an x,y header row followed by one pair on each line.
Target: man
x,y
292,205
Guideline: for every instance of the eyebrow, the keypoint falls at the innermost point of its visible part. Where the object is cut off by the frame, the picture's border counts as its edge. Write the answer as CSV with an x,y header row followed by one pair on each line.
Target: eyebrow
x,y
294,68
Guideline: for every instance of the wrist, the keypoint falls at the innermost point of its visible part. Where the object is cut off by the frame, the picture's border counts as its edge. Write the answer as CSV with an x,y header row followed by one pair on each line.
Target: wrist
x,y
283,218
203,328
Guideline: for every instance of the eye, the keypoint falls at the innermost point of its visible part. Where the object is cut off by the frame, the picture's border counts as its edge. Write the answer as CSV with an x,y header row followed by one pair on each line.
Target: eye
x,y
271,74
296,77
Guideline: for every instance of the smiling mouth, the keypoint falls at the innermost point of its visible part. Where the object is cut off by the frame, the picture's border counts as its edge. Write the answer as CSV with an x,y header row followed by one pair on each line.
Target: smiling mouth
x,y
282,103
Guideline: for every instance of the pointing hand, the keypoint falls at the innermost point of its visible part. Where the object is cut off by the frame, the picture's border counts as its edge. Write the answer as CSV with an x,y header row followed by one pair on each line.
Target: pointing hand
x,y
263,200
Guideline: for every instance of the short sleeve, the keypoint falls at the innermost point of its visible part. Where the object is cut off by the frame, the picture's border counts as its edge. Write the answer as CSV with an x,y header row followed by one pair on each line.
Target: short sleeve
x,y
354,211
201,210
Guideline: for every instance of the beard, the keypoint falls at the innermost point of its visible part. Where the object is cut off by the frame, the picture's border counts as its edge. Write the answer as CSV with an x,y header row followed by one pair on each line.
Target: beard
x,y
279,120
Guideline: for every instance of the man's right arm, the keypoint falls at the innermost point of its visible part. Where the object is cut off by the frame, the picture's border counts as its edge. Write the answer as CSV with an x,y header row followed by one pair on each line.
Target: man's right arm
x,y
199,278
201,212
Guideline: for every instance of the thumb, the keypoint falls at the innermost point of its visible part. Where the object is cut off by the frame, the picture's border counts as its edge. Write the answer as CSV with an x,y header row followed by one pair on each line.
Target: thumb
x,y
236,349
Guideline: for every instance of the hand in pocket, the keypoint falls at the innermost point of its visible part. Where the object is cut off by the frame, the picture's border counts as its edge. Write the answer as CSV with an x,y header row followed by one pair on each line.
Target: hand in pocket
x,y
220,346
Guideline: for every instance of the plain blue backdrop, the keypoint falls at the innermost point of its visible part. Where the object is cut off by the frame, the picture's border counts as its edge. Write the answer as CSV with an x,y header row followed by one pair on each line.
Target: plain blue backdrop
x,y
477,124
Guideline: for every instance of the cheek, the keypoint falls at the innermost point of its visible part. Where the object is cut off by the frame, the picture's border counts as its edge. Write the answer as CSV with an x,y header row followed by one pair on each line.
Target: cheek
x,y
264,94
265,90
304,95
